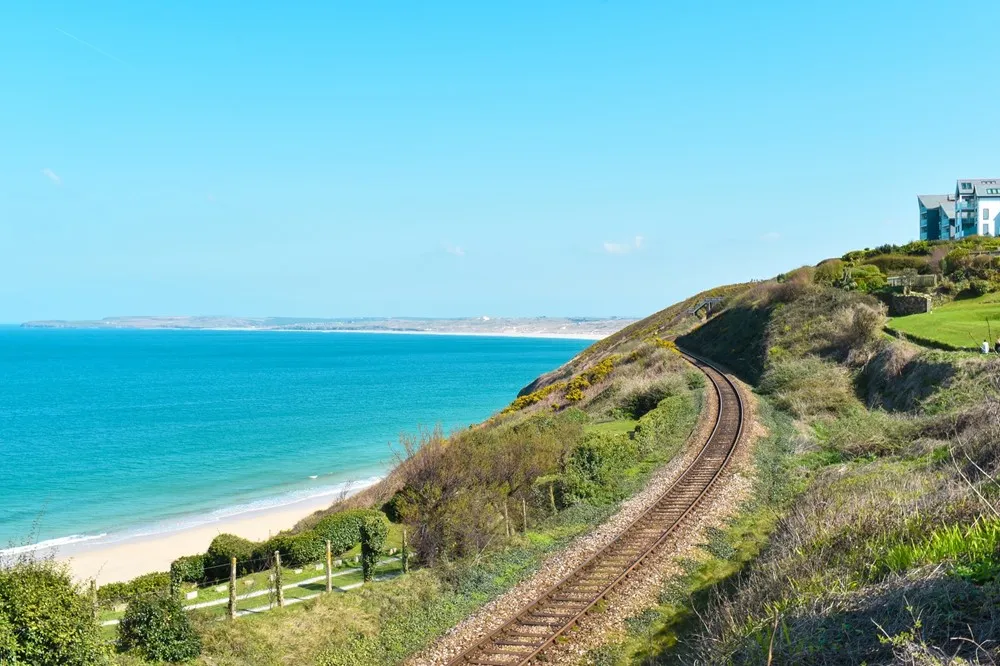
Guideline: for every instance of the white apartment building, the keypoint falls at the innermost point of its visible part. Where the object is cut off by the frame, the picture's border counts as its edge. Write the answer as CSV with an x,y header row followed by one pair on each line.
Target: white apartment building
x,y
973,210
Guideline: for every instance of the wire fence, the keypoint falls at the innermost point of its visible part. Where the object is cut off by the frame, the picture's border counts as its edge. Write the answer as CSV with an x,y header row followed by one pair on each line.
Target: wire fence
x,y
263,585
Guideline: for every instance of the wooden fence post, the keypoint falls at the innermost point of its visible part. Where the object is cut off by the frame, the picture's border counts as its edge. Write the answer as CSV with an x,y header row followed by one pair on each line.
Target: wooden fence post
x,y
506,518
524,514
93,599
552,497
329,566
277,579
404,554
232,588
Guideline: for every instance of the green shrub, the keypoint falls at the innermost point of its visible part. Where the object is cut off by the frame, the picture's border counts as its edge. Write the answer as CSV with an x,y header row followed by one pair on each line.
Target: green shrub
x,y
374,530
45,620
157,627
112,594
829,272
595,469
343,529
392,508
296,549
896,263
917,248
980,287
188,569
867,278
225,547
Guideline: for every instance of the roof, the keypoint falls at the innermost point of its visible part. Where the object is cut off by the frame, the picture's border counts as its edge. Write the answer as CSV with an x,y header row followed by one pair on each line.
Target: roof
x,y
982,187
930,201
946,202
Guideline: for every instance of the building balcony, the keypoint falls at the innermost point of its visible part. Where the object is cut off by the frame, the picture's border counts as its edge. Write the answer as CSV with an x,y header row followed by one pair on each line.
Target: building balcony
x,y
965,205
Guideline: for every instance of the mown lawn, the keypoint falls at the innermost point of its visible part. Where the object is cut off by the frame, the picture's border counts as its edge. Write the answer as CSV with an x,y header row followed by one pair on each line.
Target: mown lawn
x,y
961,324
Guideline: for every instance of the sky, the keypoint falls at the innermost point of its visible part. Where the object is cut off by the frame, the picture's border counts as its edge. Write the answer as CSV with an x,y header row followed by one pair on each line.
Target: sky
x,y
516,158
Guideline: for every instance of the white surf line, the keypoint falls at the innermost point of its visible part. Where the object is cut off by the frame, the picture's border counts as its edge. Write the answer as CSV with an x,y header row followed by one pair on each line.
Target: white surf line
x,y
260,593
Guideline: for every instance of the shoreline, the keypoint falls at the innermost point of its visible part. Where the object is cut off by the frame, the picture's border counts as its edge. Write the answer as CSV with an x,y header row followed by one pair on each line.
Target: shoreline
x,y
122,559
592,335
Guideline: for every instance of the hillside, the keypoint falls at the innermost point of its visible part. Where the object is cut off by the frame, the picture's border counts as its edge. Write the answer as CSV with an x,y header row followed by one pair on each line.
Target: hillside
x,y
867,529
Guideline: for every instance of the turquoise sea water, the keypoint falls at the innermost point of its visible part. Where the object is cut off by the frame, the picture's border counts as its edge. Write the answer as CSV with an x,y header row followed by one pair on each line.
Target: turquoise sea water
x,y
126,432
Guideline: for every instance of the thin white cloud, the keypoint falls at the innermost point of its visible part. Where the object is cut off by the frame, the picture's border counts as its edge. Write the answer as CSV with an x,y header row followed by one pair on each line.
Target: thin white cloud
x,y
455,250
771,236
624,248
52,175
91,46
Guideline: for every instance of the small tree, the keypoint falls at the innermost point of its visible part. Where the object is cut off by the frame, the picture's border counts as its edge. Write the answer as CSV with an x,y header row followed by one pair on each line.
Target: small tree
x,y
45,620
157,627
373,533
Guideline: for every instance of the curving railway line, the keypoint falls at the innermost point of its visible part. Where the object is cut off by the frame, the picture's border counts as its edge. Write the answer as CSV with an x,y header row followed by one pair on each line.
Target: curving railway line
x,y
536,627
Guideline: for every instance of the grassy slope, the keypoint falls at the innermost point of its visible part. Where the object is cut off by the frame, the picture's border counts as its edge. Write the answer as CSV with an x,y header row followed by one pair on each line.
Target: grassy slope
x,y
859,514
961,323
872,503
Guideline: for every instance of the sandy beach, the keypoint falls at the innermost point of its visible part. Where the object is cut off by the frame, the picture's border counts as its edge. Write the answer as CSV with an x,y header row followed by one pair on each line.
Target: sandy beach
x,y
128,558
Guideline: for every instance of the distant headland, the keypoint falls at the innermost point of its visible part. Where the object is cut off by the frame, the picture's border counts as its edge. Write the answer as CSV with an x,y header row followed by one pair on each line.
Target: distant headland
x,y
562,327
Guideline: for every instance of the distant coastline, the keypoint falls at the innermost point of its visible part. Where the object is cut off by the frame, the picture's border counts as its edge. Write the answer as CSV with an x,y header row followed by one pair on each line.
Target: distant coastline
x,y
582,328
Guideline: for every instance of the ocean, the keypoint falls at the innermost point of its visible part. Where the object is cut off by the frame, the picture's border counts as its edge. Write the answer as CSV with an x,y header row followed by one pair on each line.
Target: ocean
x,y
107,434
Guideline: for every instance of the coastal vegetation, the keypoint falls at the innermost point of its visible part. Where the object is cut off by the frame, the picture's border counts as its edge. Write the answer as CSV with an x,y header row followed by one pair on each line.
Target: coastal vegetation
x,y
870,534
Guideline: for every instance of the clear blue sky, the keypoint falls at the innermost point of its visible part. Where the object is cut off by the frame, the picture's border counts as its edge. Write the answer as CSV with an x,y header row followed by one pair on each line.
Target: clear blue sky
x,y
467,158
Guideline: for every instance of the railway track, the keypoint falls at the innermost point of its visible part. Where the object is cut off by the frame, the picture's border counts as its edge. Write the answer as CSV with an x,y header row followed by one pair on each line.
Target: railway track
x,y
536,627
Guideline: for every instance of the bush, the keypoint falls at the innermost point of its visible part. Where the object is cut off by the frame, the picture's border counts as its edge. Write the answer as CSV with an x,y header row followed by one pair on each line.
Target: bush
x,y
980,287
917,248
829,272
374,530
225,547
118,593
867,278
596,468
393,507
157,627
342,529
45,620
296,549
188,569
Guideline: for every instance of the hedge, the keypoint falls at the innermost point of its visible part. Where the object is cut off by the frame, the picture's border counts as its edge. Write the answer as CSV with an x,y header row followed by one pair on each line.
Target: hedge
x,y
343,529
296,549
225,547
188,569
112,594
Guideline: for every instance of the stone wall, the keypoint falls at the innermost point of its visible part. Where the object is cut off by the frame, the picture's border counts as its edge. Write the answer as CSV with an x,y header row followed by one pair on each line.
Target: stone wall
x,y
909,304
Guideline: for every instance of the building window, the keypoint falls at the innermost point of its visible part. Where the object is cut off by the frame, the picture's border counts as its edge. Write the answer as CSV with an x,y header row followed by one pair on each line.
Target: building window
x,y
966,186
986,230
986,213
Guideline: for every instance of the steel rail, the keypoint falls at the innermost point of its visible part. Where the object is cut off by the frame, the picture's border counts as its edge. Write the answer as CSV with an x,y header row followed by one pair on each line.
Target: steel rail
x,y
521,647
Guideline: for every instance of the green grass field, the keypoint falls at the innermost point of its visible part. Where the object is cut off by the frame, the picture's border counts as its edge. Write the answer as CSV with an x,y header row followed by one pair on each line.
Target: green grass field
x,y
961,324
623,425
